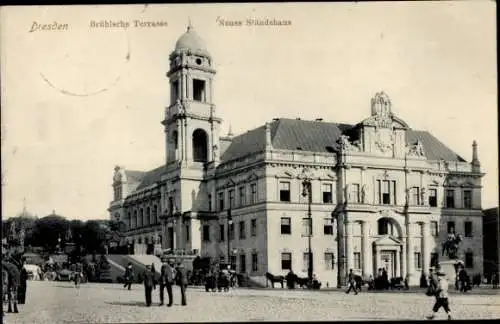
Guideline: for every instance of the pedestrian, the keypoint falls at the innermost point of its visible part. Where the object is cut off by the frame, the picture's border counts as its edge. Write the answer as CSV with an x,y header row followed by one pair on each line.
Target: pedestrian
x,y
129,276
149,283
351,283
441,295
166,281
21,294
182,281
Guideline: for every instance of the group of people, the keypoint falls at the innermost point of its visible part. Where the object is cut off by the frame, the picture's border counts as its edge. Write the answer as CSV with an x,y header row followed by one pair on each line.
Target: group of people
x,y
170,274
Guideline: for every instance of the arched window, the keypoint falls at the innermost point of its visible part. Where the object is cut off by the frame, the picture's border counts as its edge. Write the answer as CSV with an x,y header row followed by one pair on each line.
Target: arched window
x,y
386,226
155,214
200,143
147,219
134,220
141,218
129,219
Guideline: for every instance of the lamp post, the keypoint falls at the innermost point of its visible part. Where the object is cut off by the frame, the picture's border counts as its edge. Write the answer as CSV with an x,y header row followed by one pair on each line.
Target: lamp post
x,y
307,192
229,223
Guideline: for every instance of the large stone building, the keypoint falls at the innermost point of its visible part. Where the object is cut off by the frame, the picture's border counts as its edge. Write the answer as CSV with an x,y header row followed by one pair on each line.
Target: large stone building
x,y
396,192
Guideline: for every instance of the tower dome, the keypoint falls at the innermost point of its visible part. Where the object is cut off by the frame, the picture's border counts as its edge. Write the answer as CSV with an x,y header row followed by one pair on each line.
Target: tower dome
x,y
191,41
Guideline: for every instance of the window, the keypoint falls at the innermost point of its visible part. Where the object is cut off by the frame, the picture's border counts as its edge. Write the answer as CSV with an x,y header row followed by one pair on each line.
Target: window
x,y
286,261
231,231
305,259
450,198
286,225
221,201
386,192
241,191
451,227
253,227
243,263
284,191
209,202
433,197
255,264
355,193
199,90
187,233
469,260
434,259
468,229
175,90
231,198
434,228
327,193
306,227
418,260
328,227
467,199
206,233
171,205
253,197
222,233
329,261
415,196
242,230
233,262
357,260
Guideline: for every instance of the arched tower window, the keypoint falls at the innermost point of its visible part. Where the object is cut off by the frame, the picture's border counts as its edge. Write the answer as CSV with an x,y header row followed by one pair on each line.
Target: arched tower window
x,y
175,139
200,144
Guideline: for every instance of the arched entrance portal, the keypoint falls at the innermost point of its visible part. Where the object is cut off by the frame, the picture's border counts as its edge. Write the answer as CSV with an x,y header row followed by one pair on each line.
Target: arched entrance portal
x,y
388,249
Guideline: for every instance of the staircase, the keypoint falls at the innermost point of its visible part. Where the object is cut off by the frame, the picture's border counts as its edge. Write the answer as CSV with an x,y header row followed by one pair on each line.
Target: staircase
x,y
146,259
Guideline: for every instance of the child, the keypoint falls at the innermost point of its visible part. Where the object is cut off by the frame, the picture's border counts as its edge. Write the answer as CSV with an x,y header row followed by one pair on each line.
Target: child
x,y
441,296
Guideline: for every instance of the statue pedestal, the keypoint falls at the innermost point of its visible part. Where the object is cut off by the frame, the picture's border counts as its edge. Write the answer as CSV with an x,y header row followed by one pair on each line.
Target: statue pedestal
x,y
448,267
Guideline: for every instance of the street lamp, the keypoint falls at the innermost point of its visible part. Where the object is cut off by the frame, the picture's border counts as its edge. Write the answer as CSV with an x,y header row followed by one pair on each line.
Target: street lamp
x,y
229,223
307,192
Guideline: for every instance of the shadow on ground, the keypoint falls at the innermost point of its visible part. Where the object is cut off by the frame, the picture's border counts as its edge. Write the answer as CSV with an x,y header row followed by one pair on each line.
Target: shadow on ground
x,y
130,303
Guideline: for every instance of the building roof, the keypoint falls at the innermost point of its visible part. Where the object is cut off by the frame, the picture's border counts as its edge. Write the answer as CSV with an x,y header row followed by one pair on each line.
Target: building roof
x,y
319,137
190,40
135,176
433,148
151,177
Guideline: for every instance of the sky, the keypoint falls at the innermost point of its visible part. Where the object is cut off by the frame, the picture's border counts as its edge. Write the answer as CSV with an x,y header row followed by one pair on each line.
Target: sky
x,y
80,100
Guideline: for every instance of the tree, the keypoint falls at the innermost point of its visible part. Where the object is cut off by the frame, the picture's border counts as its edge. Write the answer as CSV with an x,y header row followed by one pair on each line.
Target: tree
x,y
48,230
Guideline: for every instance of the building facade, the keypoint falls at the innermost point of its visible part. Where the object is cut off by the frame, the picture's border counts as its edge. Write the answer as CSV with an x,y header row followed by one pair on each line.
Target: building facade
x,y
491,242
383,195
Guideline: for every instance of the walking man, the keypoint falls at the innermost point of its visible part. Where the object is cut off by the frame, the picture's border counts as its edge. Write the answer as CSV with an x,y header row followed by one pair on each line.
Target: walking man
x,y
441,296
351,283
129,276
149,284
166,281
182,281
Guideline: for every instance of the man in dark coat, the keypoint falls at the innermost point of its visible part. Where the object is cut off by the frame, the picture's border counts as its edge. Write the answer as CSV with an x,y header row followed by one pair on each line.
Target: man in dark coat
x,y
129,276
182,281
351,283
166,281
149,284
23,276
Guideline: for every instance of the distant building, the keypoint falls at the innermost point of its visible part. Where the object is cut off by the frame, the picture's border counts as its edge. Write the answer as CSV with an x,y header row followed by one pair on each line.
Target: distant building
x,y
396,192
491,242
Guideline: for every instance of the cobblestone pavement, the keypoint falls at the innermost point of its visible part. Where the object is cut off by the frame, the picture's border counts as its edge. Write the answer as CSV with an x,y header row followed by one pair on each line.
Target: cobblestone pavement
x,y
60,302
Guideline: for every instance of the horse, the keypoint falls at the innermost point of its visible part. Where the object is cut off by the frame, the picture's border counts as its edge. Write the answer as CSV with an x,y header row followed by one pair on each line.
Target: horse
x,y
301,282
451,246
11,283
273,279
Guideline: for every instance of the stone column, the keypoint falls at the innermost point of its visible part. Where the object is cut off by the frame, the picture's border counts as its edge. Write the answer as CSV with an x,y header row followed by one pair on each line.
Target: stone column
x,y
366,250
377,259
409,250
399,261
403,258
425,247
349,246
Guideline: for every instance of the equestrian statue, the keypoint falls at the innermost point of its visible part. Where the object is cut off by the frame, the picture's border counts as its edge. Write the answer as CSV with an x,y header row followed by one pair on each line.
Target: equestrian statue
x,y
450,246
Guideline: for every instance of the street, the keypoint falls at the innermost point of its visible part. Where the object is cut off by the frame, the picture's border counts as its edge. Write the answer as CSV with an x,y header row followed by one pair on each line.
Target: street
x,y
60,302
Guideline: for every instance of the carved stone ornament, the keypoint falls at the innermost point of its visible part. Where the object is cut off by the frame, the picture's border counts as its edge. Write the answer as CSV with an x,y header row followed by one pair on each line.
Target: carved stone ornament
x,y
384,139
416,149
117,177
